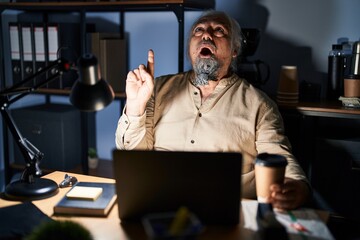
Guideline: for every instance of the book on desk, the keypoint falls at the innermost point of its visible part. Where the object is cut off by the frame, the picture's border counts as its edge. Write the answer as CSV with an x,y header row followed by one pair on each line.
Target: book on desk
x,y
100,205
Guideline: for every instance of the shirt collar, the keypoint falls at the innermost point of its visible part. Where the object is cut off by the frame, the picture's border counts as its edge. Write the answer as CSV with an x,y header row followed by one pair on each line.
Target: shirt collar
x,y
224,82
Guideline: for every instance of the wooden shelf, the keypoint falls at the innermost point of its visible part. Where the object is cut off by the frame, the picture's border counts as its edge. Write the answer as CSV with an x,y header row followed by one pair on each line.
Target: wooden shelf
x,y
323,109
66,92
137,5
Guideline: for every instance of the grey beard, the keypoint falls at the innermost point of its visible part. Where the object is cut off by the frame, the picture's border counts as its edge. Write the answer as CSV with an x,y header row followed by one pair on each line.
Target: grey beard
x,y
205,70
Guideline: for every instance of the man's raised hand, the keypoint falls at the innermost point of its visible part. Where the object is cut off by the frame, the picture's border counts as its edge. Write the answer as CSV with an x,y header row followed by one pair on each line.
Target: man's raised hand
x,y
139,86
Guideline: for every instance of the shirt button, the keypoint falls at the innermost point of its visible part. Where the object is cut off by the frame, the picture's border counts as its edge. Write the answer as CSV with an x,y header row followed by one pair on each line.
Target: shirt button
x,y
192,141
200,115
126,122
195,93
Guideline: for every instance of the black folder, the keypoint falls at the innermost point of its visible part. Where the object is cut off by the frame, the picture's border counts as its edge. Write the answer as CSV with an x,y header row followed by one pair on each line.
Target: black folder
x,y
63,40
27,46
40,50
15,47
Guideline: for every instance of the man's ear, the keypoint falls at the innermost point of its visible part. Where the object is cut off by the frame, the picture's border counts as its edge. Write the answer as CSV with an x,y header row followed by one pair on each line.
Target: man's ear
x,y
234,55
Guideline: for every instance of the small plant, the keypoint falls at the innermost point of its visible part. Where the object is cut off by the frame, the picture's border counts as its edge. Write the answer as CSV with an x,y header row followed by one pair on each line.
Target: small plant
x,y
92,153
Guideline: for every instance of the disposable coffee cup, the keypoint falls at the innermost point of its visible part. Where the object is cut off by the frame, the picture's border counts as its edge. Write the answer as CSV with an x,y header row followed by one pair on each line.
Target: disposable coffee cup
x,y
288,80
352,86
269,169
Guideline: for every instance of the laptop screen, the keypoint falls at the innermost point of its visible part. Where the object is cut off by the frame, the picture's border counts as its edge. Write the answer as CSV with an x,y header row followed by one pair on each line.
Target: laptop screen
x,y
207,183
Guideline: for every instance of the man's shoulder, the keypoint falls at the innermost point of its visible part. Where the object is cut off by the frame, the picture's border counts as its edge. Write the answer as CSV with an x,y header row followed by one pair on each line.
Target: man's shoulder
x,y
253,95
248,89
170,77
173,80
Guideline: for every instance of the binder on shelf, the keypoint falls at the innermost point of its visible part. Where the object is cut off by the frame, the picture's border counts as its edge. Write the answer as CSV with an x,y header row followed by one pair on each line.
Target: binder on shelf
x,y
113,62
27,51
16,69
110,50
63,40
52,37
95,38
40,52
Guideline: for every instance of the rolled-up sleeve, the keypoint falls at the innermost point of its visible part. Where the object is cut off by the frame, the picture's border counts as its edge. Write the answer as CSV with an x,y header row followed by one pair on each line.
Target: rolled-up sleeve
x,y
271,139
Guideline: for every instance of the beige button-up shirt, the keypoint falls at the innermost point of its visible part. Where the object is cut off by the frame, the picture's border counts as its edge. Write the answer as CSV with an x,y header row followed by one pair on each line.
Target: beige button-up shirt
x,y
236,117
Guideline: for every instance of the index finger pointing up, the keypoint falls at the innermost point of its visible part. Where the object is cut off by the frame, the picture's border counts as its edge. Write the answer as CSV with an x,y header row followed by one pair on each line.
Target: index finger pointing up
x,y
150,62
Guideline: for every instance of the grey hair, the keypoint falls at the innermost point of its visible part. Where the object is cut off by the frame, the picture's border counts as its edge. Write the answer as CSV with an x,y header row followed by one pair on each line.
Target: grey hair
x,y
234,32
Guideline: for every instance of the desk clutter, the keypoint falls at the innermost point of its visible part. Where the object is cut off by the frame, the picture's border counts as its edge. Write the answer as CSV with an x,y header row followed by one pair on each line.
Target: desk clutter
x,y
181,224
299,224
22,219
351,102
344,71
87,198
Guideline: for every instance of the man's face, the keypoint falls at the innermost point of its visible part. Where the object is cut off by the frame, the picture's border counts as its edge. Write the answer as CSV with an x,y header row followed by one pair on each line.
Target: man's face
x,y
210,48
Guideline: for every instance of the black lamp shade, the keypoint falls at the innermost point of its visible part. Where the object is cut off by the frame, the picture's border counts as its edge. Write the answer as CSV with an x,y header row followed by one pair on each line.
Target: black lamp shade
x,y
90,92
91,97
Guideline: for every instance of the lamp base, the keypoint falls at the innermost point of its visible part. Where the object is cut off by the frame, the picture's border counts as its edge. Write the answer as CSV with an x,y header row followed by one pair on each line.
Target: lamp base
x,y
41,188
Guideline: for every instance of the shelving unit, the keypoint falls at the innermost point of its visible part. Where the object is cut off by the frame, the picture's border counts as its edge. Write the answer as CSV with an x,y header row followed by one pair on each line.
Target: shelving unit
x,y
178,7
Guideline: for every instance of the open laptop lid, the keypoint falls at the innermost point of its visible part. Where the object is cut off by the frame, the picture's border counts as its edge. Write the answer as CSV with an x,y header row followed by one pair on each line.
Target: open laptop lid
x,y
207,183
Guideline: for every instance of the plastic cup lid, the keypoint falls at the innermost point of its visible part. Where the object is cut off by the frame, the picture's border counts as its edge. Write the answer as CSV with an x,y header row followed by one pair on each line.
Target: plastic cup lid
x,y
270,160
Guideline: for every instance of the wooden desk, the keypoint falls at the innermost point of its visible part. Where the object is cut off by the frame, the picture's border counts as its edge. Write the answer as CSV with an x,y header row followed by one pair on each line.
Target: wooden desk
x,y
110,227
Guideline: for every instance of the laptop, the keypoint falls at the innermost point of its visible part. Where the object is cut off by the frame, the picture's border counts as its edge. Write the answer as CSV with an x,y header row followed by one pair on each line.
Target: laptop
x,y
207,183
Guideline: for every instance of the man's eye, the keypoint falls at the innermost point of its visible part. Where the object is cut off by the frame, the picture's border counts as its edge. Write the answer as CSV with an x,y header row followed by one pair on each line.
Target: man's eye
x,y
198,30
219,31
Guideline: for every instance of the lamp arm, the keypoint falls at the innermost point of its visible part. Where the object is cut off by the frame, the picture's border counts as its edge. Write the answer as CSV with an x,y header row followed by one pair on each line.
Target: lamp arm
x,y
21,91
36,157
31,154
17,88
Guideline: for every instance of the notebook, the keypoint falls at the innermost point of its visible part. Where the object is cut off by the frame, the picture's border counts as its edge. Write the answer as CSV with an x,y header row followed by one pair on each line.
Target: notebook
x,y
207,183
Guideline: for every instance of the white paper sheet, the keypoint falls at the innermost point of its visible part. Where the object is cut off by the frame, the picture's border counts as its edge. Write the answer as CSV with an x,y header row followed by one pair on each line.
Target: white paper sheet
x,y
316,228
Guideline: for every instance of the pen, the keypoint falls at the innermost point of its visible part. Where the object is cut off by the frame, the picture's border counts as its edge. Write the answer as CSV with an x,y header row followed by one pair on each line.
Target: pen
x,y
296,224
179,222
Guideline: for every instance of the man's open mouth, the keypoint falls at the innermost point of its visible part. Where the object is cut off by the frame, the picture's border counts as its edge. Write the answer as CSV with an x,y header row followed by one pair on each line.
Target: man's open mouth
x,y
205,52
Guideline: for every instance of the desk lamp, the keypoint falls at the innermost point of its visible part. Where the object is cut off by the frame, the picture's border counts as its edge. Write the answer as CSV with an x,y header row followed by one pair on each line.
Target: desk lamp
x,y
89,93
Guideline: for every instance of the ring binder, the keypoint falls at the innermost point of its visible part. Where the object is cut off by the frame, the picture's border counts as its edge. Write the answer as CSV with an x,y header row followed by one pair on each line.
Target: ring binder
x,y
15,52
39,44
65,36
27,51
52,48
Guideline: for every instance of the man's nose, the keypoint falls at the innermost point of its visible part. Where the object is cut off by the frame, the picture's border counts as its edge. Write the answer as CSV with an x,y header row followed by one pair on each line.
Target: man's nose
x,y
207,35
